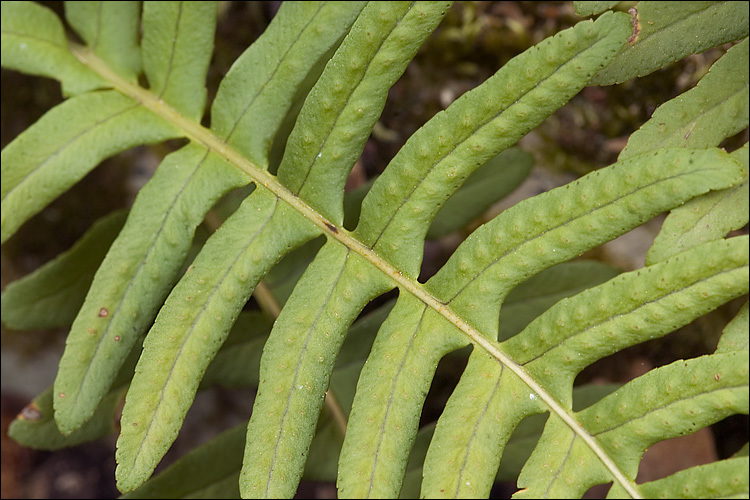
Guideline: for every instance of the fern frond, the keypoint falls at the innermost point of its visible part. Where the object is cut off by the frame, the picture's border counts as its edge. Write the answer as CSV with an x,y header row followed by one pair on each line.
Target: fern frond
x,y
735,336
691,120
708,217
144,261
75,137
251,259
576,332
51,296
326,68
110,30
665,32
661,404
421,177
487,265
726,479
34,42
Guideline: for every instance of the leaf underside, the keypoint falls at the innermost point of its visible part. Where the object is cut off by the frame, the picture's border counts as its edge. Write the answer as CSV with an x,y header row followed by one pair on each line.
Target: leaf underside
x,y
329,66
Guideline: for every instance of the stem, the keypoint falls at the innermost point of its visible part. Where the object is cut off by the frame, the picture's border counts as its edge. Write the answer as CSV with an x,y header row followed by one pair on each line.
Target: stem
x,y
266,300
333,406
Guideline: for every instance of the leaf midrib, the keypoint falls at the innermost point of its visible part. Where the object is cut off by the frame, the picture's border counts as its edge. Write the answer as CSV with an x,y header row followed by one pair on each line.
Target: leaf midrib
x,y
472,439
196,132
173,49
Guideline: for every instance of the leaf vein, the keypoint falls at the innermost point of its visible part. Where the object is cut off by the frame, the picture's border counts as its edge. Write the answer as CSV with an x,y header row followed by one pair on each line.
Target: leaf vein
x,y
300,360
558,472
98,30
666,406
390,397
135,275
476,131
193,325
173,50
630,312
270,77
68,144
470,441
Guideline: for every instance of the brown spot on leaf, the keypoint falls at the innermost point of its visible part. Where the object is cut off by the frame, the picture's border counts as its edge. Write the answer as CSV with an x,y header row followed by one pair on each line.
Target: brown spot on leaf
x,y
30,412
636,25
117,338
103,312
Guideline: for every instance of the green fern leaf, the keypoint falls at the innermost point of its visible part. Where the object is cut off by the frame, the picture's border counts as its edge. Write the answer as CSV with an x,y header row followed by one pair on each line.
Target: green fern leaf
x,y
491,261
110,30
137,271
33,41
428,189
210,471
181,340
537,294
488,184
724,479
288,123
51,296
735,335
691,120
708,217
589,322
398,209
595,7
664,32
75,136
144,261
175,59
247,264
265,78
661,404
